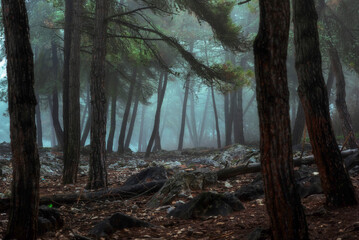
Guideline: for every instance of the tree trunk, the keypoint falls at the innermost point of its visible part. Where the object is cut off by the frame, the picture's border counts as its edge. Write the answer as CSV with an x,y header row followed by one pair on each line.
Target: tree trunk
x,y
111,134
330,82
184,112
87,109
71,90
216,118
204,118
270,50
335,180
140,137
158,113
240,116
227,120
22,101
97,172
133,120
55,98
86,131
121,139
193,121
340,100
299,125
249,104
38,122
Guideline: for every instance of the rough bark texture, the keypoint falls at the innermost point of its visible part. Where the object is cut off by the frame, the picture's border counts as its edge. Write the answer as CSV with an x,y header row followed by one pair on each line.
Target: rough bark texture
x,y
111,134
216,118
25,159
158,114
121,139
55,98
71,90
299,125
184,113
335,180
38,122
97,171
340,101
270,50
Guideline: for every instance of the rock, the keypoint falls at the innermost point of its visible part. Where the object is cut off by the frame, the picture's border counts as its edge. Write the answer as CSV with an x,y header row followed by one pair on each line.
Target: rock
x,y
202,161
147,175
251,191
310,186
207,204
236,154
259,234
49,220
116,222
182,183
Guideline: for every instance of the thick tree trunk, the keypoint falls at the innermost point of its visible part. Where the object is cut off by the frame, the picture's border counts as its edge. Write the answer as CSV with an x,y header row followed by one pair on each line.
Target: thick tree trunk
x,y
335,180
132,122
111,134
216,118
299,125
238,117
55,98
38,122
184,113
140,137
121,139
270,50
340,100
97,172
158,113
22,101
71,90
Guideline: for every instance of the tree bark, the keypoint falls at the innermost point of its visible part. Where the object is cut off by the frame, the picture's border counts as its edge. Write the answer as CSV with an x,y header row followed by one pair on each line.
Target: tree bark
x,y
340,101
216,118
312,91
24,200
140,137
193,120
71,90
270,50
204,118
184,113
97,172
111,134
227,120
299,125
121,139
158,113
38,122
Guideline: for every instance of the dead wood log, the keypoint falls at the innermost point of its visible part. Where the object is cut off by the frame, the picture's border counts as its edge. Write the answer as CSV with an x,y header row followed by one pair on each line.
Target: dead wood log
x,y
124,192
227,173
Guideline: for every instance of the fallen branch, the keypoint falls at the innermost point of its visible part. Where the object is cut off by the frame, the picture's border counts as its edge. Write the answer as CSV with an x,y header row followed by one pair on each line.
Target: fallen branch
x,y
226,173
124,192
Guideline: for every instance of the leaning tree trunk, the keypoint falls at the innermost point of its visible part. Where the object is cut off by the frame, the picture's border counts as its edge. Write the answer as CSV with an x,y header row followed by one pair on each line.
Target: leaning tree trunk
x,y
216,118
299,125
270,50
55,98
24,201
184,113
111,134
158,113
38,122
121,139
97,172
340,100
132,122
71,90
312,91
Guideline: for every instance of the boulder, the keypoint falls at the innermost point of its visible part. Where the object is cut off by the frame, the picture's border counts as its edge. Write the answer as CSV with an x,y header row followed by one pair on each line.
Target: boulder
x,y
147,175
208,204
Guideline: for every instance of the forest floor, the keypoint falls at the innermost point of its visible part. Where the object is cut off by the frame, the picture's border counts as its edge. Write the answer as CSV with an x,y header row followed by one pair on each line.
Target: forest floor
x,y
80,217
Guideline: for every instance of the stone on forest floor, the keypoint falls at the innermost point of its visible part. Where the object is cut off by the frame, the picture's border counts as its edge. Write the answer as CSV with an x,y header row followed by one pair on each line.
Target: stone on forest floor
x,y
259,234
116,222
147,175
251,191
182,183
49,220
208,204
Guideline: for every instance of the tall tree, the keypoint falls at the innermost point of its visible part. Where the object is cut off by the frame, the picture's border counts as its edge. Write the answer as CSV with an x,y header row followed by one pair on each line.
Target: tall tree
x,y
38,121
270,50
25,158
71,90
216,118
133,119
97,171
113,117
184,113
312,91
